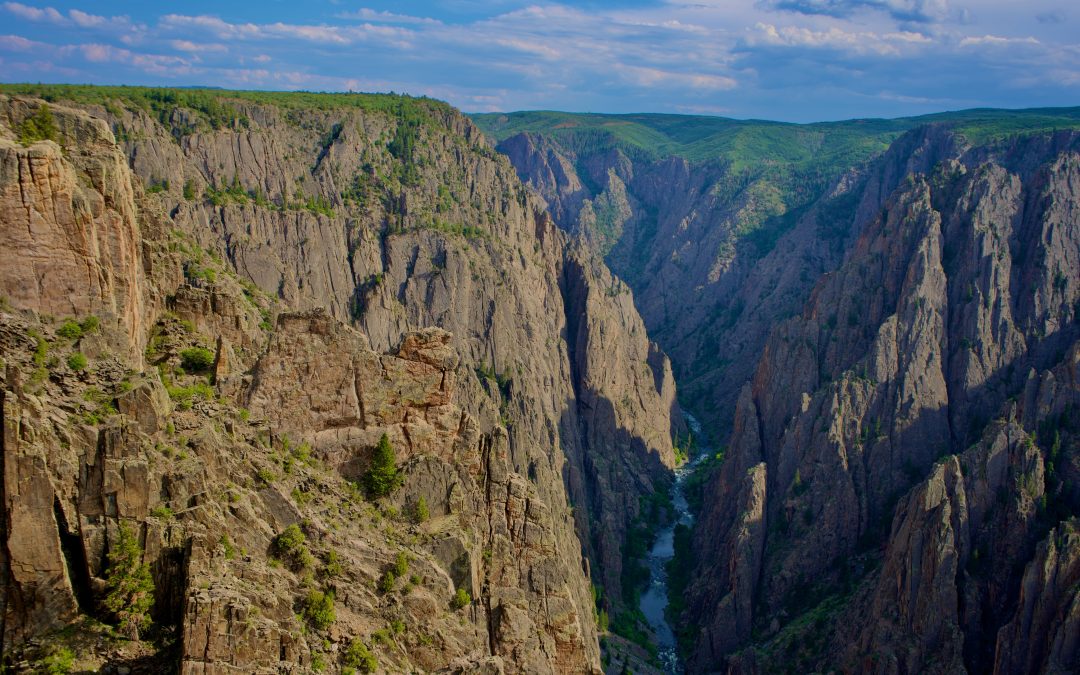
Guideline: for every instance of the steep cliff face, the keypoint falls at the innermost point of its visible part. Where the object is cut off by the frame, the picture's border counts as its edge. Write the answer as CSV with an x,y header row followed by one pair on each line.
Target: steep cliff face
x,y
263,228
697,242
959,294
70,228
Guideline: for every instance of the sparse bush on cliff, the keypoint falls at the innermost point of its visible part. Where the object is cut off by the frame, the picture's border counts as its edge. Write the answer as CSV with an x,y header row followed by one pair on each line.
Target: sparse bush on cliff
x,y
461,599
196,359
358,657
77,362
383,477
130,588
291,545
39,127
421,514
319,609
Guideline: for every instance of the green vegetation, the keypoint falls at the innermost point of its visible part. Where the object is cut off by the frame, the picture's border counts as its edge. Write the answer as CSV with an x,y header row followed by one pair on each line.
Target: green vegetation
x,y
421,513
401,564
291,545
779,169
70,330
59,661
185,397
129,587
161,512
318,609
387,581
225,195
77,361
358,657
219,108
196,359
678,572
383,477
745,142
99,406
39,127
461,599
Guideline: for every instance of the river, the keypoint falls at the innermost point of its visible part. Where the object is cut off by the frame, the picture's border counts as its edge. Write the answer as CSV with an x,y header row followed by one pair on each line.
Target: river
x,y
655,598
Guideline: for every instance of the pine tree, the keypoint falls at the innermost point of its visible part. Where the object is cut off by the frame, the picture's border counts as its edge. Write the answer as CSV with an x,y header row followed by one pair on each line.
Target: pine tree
x,y
383,476
39,127
129,584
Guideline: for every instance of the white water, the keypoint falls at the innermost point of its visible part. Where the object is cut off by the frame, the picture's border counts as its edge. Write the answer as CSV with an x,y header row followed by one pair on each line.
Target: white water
x,y
655,598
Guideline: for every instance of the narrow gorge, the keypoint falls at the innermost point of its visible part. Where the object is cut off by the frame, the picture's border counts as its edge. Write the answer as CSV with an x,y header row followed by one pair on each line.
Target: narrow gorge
x,y
877,321
359,383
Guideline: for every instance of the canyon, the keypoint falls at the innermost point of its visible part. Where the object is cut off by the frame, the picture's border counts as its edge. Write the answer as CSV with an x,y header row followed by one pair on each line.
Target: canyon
x,y
885,348
875,321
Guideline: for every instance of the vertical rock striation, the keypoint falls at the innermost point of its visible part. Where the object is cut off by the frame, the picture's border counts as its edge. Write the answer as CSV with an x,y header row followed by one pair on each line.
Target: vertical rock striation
x,y
311,250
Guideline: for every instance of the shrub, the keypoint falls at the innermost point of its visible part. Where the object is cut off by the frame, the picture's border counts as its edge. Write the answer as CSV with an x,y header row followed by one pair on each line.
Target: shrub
x,y
70,330
333,565
401,564
358,656
185,396
386,583
319,609
39,127
89,324
129,587
77,361
383,476
196,359
59,661
292,545
461,599
421,514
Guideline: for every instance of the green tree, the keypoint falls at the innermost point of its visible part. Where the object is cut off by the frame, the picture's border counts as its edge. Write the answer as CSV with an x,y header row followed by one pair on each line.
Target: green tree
x,y
383,477
129,586
39,127
422,513
196,359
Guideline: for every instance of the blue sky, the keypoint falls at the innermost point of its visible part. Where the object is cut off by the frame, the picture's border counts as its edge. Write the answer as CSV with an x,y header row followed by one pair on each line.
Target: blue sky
x,y
795,60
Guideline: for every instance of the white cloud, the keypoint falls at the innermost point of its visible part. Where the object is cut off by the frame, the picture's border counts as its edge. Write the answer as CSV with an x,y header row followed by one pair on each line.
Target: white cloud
x,y
17,43
832,38
197,47
997,41
34,13
365,14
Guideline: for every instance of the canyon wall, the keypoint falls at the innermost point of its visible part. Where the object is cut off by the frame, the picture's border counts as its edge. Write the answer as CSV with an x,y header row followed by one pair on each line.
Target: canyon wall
x,y
312,245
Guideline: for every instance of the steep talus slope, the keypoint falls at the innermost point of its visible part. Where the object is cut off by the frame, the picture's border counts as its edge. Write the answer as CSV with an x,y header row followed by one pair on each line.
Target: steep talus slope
x,y
386,213
958,296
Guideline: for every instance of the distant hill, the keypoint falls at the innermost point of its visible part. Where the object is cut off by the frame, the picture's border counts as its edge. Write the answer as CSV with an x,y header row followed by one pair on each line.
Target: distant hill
x,y
701,137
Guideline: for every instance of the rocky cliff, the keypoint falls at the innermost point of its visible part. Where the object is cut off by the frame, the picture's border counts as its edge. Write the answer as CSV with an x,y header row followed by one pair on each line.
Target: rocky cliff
x,y
888,472
308,243
883,341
